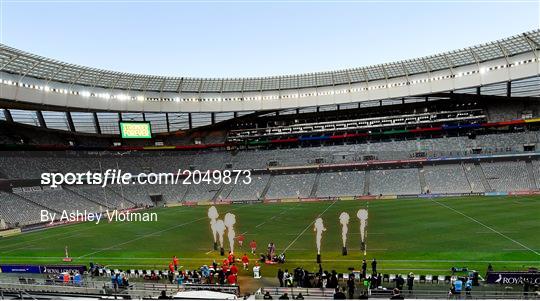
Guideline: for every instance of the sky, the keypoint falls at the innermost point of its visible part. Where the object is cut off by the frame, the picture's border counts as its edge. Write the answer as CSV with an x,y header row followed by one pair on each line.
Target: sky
x,y
212,38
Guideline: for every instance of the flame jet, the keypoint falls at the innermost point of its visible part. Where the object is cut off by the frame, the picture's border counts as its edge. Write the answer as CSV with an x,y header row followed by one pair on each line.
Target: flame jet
x,y
213,215
363,217
344,221
319,229
230,220
220,229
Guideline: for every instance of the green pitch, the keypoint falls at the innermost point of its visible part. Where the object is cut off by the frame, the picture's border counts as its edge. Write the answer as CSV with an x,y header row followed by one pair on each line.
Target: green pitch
x,y
420,235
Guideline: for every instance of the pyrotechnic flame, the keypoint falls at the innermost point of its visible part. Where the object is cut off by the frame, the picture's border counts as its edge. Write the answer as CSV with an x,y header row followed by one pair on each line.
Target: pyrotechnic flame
x,y
230,220
213,215
363,217
319,229
220,229
344,220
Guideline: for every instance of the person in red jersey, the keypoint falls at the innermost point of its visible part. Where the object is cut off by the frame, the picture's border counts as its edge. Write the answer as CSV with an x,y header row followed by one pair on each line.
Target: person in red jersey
x,y
245,261
171,267
253,246
226,261
225,269
231,279
175,262
234,269
240,239
231,258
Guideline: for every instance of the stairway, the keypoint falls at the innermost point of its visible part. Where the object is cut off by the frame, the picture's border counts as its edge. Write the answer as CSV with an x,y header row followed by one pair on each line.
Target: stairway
x,y
183,197
37,204
218,192
120,195
422,179
265,190
466,176
366,183
530,174
70,190
480,172
315,186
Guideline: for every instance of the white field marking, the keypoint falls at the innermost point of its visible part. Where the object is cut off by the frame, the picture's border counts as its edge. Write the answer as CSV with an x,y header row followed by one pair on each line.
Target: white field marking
x,y
374,233
490,232
310,224
486,226
25,243
77,235
43,237
515,249
147,235
208,252
35,248
141,237
273,217
290,260
29,247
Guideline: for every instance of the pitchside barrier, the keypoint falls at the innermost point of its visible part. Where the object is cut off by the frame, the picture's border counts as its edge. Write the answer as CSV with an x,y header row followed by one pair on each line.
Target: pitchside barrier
x,y
326,293
307,293
444,294
91,288
229,289
10,232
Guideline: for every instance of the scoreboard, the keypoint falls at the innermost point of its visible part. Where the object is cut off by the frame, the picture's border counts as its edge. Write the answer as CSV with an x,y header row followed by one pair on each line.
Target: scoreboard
x,y
132,130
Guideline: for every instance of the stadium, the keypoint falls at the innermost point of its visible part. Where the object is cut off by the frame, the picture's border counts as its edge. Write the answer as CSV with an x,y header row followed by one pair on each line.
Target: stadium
x,y
139,186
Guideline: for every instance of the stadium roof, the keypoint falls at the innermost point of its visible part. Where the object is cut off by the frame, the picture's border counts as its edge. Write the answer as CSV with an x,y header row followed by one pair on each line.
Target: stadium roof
x,y
28,65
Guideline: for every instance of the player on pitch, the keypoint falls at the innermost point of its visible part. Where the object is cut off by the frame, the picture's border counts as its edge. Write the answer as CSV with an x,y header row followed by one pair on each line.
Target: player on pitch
x,y
240,238
253,246
245,261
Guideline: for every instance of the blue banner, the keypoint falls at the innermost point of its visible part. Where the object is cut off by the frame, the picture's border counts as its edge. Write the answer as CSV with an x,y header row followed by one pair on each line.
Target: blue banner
x,y
20,268
41,269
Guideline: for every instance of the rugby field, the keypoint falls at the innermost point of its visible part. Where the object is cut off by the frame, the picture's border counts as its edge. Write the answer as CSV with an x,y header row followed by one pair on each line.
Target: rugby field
x,y
425,236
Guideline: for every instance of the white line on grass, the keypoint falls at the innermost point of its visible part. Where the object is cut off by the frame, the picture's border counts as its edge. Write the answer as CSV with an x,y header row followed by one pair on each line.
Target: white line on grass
x,y
273,217
147,235
310,224
141,237
510,249
486,226
490,232
43,237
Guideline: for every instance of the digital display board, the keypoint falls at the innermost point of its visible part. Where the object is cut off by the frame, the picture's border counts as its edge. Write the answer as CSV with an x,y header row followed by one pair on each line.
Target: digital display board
x,y
134,130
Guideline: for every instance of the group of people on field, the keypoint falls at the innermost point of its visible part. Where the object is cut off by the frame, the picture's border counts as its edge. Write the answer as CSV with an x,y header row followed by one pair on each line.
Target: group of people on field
x,y
225,272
